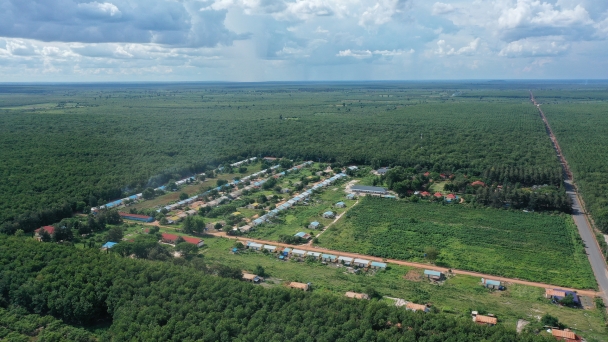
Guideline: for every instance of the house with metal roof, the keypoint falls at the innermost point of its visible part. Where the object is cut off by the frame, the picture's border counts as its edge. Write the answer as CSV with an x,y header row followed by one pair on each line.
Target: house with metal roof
x,y
329,214
299,286
481,319
565,335
417,307
368,189
382,170
108,245
492,284
557,295
361,262
286,251
340,205
315,255
314,225
257,222
345,260
356,295
303,235
298,252
433,275
328,257
254,245
378,265
252,278
350,196
270,248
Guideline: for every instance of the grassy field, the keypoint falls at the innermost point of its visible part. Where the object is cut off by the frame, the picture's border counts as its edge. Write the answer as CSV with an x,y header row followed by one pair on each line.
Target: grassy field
x,y
459,295
537,247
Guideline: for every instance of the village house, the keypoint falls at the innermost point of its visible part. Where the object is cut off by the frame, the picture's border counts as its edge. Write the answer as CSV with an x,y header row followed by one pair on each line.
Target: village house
x,y
172,239
433,275
378,265
417,307
270,248
557,295
298,253
313,225
361,263
299,286
492,284
48,229
328,258
303,235
340,205
481,319
315,255
374,190
329,214
254,246
565,335
345,260
356,295
252,278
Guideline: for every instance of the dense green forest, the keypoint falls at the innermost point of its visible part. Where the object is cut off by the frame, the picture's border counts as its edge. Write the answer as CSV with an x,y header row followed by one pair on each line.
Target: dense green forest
x,y
582,130
158,301
538,247
65,148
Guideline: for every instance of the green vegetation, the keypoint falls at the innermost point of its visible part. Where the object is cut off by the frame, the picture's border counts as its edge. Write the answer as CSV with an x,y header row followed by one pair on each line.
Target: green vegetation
x,y
538,247
581,129
122,140
143,300
457,296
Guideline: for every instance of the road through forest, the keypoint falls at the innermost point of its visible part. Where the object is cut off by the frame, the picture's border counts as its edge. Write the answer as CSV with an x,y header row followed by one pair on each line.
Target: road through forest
x,y
592,248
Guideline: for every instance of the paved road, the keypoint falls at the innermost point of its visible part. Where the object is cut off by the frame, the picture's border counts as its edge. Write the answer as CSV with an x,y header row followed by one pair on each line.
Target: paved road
x,y
590,293
592,248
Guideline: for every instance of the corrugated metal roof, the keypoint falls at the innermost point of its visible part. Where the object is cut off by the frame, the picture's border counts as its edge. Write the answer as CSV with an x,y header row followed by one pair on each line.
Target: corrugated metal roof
x,y
378,264
486,319
563,333
432,273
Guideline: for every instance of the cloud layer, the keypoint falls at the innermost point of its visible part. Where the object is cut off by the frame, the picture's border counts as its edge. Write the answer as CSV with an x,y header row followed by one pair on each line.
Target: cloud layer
x,y
260,40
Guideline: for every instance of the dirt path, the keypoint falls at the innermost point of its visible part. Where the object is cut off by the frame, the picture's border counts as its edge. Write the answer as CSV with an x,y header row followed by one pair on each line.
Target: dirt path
x,y
405,263
332,222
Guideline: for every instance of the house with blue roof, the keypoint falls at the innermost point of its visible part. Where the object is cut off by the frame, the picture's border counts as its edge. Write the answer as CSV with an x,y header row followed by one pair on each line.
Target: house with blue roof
x,y
492,284
328,258
303,235
314,225
329,214
378,265
257,222
108,245
433,275
340,205
350,196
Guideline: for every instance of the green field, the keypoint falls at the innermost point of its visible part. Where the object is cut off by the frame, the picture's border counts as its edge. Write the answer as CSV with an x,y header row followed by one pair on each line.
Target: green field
x,y
458,296
537,247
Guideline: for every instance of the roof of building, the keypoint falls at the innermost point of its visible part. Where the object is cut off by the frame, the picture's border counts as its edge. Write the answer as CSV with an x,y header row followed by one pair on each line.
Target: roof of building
x,y
287,249
383,170
249,276
328,256
327,213
432,273
367,188
478,183
378,264
173,237
108,245
361,261
486,319
416,307
314,223
425,194
438,194
48,229
356,295
270,247
302,235
345,258
564,334
297,285
298,251
451,196
491,282
254,244
340,203
315,254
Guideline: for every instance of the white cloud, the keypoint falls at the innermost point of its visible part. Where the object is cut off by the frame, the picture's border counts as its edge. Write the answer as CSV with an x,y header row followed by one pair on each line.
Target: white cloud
x,y
440,8
359,54
100,9
535,47
446,49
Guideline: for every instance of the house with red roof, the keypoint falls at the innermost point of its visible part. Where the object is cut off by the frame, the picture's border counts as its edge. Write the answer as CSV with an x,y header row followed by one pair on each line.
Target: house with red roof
x,y
426,174
451,197
425,194
478,183
172,239
48,229
438,195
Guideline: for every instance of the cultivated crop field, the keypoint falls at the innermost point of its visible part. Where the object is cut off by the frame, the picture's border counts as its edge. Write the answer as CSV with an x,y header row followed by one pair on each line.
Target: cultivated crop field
x,y
537,247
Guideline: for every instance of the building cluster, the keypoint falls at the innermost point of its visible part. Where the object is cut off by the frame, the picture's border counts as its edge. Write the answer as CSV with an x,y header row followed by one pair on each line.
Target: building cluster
x,y
297,198
299,254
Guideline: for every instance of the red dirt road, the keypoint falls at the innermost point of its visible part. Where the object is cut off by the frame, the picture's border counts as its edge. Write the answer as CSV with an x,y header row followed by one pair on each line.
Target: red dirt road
x,y
406,263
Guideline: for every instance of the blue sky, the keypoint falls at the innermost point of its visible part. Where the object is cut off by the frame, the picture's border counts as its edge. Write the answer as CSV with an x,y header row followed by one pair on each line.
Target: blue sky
x,y
291,40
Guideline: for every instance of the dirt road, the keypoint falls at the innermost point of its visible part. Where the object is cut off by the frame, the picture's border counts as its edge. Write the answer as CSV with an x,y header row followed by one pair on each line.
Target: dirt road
x,y
403,263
